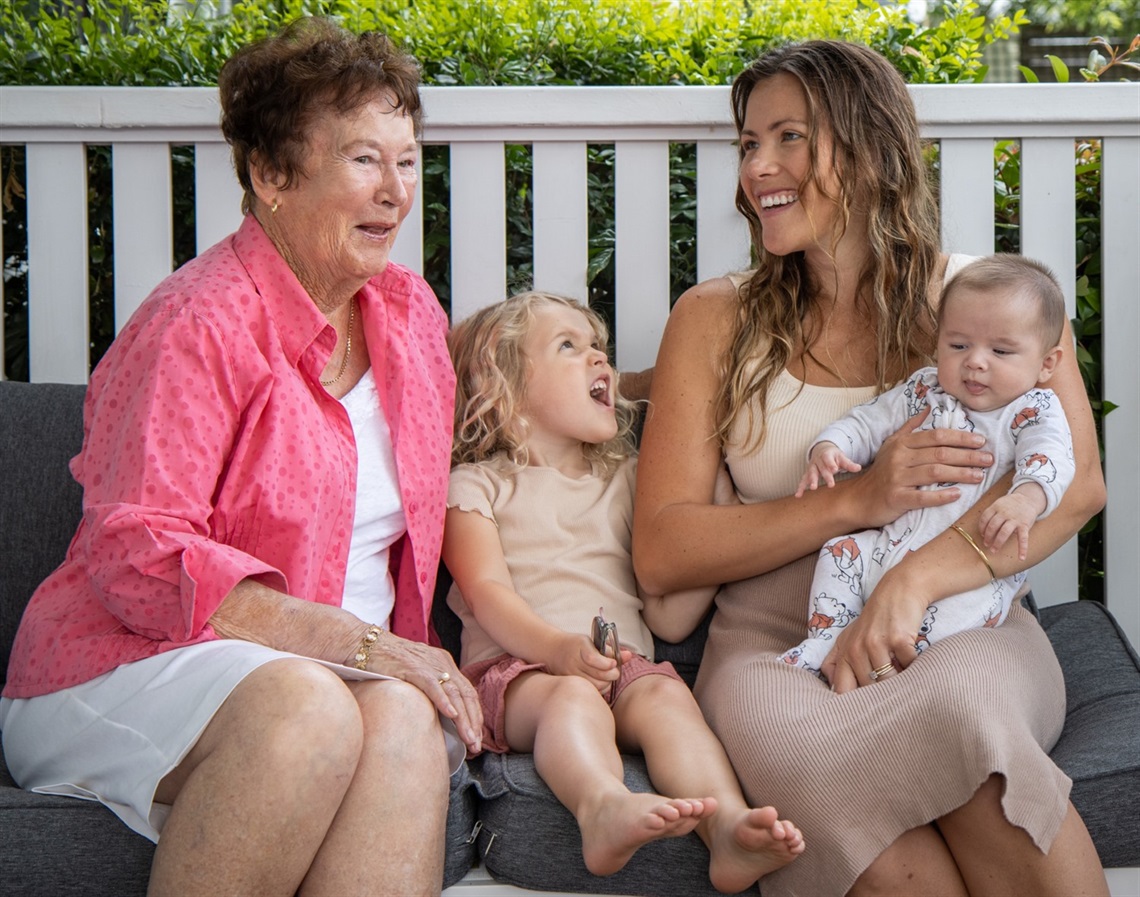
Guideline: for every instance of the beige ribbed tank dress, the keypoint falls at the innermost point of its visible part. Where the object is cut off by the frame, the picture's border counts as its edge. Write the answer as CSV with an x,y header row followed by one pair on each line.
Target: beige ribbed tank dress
x,y
855,771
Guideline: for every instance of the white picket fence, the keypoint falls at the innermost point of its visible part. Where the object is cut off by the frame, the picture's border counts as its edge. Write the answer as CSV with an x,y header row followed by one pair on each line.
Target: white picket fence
x,y
141,124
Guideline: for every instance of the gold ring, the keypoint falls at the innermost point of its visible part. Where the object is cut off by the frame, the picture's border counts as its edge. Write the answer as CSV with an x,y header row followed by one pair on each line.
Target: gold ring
x,y
879,672
446,677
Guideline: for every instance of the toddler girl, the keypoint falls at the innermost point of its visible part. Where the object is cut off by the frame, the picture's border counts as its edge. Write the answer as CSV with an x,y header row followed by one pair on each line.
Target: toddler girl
x,y
537,540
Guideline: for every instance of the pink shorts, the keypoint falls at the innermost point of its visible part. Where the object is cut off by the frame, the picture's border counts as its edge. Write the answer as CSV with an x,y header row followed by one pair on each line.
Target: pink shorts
x,y
492,677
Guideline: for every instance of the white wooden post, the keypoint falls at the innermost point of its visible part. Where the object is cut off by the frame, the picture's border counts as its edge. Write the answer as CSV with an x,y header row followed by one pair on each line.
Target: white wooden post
x,y
57,262
144,223
217,194
561,225
1048,233
478,227
1120,301
641,210
967,195
723,242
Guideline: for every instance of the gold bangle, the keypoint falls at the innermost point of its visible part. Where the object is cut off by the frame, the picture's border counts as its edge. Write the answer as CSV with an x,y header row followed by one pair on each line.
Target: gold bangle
x,y
985,560
365,649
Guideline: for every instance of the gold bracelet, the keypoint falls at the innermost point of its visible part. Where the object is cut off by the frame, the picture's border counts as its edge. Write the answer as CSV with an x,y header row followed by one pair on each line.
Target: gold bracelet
x,y
365,649
985,560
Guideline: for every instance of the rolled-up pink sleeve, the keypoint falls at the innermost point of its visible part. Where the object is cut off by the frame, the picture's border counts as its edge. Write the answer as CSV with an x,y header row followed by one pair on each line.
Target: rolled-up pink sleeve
x,y
157,447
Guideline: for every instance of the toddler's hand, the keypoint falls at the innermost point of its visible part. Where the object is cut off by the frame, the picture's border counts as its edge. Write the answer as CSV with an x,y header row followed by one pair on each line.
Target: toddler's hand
x,y
577,656
1012,513
826,459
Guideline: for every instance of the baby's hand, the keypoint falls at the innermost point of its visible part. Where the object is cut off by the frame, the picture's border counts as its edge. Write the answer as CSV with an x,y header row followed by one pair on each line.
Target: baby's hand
x,y
1012,513
826,459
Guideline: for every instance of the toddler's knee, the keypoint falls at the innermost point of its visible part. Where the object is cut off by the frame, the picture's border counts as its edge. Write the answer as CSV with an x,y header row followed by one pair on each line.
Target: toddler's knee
x,y
574,690
664,690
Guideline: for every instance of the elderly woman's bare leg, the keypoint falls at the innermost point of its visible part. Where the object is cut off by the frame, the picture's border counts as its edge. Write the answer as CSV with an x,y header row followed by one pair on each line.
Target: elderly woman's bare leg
x,y
254,798
1004,860
918,862
388,836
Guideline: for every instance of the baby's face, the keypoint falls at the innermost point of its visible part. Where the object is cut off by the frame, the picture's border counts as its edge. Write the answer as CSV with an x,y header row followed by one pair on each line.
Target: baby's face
x,y
989,348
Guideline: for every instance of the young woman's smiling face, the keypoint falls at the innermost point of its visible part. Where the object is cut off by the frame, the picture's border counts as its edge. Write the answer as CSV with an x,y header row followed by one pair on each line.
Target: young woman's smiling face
x,y
775,163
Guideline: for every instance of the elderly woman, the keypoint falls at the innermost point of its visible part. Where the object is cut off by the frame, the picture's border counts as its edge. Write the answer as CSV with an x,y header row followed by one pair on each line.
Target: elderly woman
x,y
234,652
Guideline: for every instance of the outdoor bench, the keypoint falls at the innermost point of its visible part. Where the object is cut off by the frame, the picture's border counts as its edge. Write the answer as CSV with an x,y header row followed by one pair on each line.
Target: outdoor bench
x,y
502,817
501,814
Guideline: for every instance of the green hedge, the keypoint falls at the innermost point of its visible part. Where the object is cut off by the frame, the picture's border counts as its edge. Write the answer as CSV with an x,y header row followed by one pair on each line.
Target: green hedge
x,y
136,42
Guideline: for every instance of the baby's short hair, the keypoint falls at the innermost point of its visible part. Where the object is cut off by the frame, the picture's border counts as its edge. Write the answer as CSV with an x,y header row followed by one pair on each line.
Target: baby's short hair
x,y
1015,273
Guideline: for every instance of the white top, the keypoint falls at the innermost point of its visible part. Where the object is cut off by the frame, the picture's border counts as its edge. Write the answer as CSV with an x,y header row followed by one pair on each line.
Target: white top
x,y
379,520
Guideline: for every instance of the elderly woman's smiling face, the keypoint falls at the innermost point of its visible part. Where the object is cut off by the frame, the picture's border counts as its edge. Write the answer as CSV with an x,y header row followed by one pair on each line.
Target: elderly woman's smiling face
x,y
337,223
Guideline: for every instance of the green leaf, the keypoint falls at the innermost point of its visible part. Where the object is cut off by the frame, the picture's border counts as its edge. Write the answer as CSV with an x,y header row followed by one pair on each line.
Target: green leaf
x,y
1060,70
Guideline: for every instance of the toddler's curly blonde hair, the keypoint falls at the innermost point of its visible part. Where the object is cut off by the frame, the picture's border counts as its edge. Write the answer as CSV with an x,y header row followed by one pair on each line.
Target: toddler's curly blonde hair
x,y
491,378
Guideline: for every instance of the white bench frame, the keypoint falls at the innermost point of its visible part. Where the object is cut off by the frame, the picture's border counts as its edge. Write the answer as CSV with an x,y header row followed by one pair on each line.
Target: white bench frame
x,y
56,123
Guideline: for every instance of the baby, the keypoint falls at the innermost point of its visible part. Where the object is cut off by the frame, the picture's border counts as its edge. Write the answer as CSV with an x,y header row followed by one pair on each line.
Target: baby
x,y
999,325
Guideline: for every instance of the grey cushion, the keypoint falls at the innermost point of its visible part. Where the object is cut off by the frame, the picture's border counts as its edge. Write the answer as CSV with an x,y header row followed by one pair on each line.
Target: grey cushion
x,y
462,812
529,839
59,845
65,846
1099,747
39,501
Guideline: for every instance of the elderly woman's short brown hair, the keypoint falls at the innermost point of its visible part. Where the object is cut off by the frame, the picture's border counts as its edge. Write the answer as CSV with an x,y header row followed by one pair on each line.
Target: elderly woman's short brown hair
x,y
272,89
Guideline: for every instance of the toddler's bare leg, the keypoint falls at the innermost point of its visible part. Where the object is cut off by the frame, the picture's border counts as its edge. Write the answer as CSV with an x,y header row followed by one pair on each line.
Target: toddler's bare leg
x,y
685,757
568,726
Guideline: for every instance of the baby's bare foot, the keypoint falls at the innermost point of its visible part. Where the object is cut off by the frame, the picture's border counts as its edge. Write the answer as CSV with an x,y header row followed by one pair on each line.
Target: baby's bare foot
x,y
751,846
621,823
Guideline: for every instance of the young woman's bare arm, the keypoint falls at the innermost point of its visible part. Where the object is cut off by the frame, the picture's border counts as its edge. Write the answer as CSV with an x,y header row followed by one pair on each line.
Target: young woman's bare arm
x,y
681,540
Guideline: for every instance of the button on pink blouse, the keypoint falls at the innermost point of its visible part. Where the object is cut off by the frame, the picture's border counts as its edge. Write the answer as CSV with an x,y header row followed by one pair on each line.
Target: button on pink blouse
x,y
211,453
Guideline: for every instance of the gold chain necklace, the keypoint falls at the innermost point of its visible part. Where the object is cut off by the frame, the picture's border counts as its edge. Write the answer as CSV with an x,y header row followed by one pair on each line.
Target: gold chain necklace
x,y
347,347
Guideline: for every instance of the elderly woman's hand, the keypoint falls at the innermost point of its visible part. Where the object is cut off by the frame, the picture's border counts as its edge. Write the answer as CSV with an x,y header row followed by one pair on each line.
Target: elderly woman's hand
x,y
881,640
434,672
909,460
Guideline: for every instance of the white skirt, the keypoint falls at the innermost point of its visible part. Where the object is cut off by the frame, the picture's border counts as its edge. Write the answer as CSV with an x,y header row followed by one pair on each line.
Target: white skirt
x,y
113,739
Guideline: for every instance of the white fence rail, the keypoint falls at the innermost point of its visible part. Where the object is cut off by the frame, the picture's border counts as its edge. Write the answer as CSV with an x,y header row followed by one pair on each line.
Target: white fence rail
x,y
141,124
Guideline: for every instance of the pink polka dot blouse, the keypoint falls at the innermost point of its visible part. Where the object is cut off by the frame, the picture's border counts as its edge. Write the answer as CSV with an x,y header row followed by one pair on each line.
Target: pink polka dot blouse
x,y
211,453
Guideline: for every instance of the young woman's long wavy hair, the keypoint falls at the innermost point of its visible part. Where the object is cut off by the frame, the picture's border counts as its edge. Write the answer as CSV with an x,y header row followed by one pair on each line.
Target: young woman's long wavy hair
x,y
863,104
491,377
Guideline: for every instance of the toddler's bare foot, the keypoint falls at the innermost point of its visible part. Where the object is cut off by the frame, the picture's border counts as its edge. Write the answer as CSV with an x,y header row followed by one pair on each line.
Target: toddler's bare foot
x,y
620,823
753,845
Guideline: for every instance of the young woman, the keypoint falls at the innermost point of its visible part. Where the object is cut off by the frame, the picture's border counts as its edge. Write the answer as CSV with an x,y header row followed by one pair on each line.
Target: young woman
x,y
934,780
